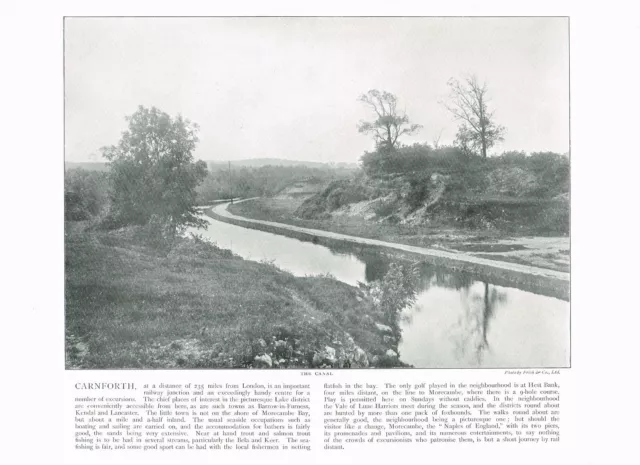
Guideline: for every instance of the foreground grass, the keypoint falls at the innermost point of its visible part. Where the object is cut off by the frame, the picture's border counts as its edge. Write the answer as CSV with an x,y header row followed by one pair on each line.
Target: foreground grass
x,y
544,252
130,306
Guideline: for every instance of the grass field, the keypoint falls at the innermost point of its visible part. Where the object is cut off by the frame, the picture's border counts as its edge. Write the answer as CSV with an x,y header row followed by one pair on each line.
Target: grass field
x,y
130,306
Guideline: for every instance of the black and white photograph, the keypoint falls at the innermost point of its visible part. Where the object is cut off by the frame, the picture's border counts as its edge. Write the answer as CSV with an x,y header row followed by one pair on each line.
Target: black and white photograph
x,y
316,192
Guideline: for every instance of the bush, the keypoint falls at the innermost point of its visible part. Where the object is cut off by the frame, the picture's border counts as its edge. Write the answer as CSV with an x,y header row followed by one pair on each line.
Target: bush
x,y
335,199
541,174
74,209
514,157
414,158
513,181
345,195
552,171
86,194
418,192
334,196
386,207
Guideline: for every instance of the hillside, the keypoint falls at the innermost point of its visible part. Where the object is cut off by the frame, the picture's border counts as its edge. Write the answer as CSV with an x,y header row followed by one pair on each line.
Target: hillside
x,y
513,208
520,195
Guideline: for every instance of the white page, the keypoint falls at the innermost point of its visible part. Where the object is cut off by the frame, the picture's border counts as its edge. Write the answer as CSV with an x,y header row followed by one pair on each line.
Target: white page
x,y
597,414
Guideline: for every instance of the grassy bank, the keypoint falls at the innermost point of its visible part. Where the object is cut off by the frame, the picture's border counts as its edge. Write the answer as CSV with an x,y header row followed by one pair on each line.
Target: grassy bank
x,y
283,211
542,252
130,306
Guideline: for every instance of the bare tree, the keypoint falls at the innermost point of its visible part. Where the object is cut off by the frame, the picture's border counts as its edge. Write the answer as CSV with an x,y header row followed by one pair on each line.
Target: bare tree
x,y
436,140
468,104
389,124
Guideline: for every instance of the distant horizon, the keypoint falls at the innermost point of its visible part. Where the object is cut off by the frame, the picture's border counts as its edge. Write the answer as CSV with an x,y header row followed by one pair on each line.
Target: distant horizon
x,y
287,88
223,162
357,162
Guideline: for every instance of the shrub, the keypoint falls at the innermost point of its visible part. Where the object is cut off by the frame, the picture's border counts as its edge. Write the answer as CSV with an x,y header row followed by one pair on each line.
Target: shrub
x,y
86,194
386,207
418,192
414,158
513,157
334,196
552,171
74,209
513,181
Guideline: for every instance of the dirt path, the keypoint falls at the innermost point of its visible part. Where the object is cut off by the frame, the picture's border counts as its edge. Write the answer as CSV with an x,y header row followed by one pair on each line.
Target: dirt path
x,y
221,211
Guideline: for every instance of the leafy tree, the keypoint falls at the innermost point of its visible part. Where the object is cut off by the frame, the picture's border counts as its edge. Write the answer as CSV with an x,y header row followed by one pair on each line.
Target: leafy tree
x,y
153,173
468,104
394,292
389,124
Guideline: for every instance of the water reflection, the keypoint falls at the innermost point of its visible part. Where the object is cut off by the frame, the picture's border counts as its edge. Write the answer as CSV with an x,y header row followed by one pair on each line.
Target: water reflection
x,y
473,321
483,325
298,257
458,320
376,265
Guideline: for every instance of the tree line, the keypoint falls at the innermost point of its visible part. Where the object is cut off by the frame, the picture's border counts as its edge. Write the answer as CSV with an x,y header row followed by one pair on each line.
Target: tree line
x,y
262,181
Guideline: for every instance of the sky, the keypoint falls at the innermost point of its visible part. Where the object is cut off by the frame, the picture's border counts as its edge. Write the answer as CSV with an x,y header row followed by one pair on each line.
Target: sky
x,y
289,87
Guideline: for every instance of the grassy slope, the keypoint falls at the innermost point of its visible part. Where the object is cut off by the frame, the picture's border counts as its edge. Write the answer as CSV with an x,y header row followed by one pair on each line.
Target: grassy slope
x,y
282,210
128,306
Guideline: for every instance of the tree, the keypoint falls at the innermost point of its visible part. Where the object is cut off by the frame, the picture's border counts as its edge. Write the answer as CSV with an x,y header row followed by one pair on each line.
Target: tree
x,y
436,140
389,124
393,293
468,104
153,172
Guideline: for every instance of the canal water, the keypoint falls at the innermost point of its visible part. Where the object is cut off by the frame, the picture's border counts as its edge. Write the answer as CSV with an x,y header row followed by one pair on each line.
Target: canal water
x,y
459,320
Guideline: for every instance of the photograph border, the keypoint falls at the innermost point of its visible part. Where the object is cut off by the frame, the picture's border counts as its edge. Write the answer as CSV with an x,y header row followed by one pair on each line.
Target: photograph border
x,y
299,369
